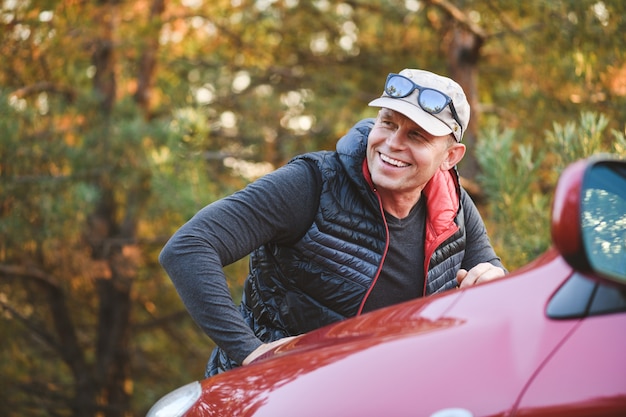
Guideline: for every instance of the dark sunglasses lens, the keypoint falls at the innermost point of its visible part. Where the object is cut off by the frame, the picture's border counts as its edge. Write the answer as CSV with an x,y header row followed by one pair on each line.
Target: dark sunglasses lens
x,y
432,101
398,86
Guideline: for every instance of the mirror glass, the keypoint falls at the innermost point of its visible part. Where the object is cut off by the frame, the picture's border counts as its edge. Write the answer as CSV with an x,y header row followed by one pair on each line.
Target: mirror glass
x,y
603,212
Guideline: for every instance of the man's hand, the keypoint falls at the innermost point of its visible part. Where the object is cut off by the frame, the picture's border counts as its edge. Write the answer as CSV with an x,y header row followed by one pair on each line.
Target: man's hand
x,y
264,348
480,273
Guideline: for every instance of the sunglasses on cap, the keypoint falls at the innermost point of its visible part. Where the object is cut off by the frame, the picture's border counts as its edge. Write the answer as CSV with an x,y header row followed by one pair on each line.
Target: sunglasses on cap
x,y
430,100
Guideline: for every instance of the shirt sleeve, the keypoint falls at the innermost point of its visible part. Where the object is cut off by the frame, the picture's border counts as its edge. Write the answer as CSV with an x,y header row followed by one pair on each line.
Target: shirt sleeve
x,y
478,247
277,207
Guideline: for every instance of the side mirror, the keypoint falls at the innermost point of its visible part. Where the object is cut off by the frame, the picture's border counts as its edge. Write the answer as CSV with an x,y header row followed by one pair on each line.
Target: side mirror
x,y
589,217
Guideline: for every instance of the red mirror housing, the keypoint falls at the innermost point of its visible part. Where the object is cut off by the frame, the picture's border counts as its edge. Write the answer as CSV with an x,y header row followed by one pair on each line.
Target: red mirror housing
x,y
565,224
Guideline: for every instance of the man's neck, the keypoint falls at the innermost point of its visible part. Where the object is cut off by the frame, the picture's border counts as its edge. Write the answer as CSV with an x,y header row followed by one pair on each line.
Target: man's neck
x,y
399,206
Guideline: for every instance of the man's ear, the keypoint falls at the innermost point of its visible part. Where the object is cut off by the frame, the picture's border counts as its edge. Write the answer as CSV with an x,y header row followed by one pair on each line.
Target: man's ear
x,y
455,153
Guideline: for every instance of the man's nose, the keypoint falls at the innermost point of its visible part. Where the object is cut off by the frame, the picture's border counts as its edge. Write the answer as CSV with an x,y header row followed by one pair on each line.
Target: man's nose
x,y
396,138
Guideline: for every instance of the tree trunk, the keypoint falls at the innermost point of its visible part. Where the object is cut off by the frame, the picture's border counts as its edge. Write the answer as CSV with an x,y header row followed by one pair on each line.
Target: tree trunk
x,y
463,55
114,285
462,44
148,61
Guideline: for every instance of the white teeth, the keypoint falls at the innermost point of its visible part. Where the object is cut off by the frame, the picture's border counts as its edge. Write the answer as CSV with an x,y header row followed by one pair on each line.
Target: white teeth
x,y
392,161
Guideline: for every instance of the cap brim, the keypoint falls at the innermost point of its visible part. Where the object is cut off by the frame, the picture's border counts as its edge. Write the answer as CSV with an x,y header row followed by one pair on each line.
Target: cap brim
x,y
426,121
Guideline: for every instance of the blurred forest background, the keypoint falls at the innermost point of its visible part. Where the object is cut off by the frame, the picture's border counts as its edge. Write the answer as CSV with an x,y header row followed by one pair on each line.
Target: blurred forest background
x,y
119,119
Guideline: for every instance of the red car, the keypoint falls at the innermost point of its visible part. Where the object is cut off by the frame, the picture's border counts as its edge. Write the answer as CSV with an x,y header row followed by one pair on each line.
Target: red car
x,y
549,339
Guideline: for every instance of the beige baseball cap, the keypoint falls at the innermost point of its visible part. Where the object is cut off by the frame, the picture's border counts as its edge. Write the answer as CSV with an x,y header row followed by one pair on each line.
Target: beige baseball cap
x,y
437,124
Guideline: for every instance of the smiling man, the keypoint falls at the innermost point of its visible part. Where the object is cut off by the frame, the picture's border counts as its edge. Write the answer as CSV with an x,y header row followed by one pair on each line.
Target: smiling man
x,y
381,220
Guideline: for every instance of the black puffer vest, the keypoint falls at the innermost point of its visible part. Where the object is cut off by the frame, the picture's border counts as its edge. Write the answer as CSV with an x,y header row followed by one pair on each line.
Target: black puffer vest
x,y
324,277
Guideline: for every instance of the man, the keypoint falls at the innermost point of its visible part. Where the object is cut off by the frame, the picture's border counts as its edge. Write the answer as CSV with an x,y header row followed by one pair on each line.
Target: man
x,y
332,235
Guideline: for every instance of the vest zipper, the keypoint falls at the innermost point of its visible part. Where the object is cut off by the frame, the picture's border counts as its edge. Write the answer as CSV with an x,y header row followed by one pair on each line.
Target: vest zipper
x,y
382,261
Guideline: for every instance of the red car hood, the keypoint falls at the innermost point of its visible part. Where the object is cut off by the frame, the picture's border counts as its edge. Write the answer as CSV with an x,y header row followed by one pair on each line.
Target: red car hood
x,y
475,349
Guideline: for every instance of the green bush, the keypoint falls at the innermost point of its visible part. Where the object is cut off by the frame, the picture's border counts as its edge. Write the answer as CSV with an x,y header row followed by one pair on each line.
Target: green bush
x,y
518,177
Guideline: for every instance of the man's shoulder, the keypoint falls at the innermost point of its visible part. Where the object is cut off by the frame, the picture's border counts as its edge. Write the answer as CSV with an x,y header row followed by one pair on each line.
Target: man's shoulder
x,y
354,142
314,158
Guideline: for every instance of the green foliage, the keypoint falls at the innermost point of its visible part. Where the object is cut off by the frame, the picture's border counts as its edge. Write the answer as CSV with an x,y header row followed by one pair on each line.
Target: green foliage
x,y
571,142
619,142
519,180
517,206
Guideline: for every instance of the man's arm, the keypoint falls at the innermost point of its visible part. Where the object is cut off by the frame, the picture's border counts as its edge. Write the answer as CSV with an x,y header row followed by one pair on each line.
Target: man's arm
x,y
480,263
275,207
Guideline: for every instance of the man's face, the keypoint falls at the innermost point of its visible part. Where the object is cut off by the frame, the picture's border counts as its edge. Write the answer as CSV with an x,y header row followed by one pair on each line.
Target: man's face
x,y
402,157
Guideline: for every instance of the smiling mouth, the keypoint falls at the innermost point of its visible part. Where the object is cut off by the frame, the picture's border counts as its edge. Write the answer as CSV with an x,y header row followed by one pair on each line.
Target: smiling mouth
x,y
391,161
